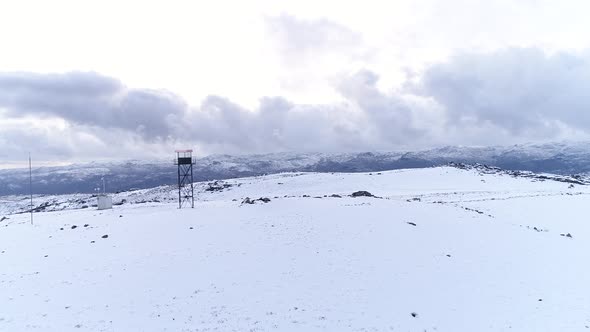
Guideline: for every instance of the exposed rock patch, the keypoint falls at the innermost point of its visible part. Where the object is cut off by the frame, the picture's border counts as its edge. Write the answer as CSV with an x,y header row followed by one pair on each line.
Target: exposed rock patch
x,y
361,193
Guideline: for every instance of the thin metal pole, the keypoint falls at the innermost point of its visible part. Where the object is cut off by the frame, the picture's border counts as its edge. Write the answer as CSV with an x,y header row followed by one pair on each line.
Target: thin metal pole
x,y
31,186
179,185
192,189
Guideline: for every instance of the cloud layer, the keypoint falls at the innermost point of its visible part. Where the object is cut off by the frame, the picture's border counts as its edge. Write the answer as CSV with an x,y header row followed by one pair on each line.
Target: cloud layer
x,y
513,95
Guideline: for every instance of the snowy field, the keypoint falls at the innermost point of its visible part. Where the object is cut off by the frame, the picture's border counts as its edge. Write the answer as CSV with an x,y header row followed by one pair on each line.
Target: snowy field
x,y
439,249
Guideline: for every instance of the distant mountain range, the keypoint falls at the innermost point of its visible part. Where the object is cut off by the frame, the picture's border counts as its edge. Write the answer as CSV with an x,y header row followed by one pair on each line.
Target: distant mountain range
x,y
556,158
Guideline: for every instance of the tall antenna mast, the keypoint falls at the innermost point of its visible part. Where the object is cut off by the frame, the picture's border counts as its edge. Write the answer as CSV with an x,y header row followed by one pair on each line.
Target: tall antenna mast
x,y
31,186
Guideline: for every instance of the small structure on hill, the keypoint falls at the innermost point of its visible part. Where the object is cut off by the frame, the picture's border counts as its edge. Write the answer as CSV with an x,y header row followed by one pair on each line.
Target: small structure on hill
x,y
184,160
104,201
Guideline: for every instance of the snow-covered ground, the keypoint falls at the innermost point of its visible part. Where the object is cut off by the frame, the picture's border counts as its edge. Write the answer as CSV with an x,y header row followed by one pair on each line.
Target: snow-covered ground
x,y
437,249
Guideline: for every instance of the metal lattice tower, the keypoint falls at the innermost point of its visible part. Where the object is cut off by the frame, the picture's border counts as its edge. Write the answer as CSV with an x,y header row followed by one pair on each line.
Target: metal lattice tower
x,y
185,162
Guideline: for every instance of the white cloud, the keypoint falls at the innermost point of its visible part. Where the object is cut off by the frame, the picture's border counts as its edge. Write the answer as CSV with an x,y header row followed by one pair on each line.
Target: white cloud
x,y
348,75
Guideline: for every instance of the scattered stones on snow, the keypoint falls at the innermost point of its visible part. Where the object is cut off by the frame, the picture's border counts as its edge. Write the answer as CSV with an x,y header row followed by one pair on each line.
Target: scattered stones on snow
x,y
485,169
567,235
248,200
217,186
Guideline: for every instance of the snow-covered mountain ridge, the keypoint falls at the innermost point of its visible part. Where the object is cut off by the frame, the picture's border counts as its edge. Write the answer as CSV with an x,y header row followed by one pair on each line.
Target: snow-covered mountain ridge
x,y
45,203
555,158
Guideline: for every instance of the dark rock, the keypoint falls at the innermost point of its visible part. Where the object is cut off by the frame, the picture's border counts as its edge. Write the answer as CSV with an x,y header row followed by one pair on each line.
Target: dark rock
x,y
362,193
414,314
217,186
120,216
86,225
84,207
411,223
248,200
74,226
4,218
335,196
105,236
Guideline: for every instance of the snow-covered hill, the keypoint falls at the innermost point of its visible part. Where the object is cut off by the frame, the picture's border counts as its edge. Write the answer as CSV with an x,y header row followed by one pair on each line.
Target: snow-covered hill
x,y
558,158
435,249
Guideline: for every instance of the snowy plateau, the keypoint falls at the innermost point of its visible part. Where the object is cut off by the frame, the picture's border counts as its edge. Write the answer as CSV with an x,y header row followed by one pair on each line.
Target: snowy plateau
x,y
432,249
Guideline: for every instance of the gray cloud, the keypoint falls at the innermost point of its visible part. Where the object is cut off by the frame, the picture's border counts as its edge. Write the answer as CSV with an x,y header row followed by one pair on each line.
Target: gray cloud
x,y
391,115
276,125
523,91
514,95
90,99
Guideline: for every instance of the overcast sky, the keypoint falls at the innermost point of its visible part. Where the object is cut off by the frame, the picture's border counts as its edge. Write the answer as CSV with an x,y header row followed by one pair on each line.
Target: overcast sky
x,y
87,80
